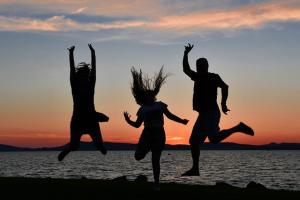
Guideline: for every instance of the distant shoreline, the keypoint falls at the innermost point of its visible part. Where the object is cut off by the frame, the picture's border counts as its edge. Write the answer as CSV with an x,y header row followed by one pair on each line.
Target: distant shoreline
x,y
88,146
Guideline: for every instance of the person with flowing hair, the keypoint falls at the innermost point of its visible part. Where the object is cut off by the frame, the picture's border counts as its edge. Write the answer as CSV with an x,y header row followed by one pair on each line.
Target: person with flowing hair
x,y
85,119
151,113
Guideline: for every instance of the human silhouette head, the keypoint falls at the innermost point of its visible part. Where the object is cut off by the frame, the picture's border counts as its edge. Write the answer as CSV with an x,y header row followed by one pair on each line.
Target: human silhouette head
x,y
202,65
148,97
83,71
145,89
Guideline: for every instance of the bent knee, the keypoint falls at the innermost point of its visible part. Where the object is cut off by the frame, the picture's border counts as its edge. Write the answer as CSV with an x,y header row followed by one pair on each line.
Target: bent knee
x,y
138,156
195,142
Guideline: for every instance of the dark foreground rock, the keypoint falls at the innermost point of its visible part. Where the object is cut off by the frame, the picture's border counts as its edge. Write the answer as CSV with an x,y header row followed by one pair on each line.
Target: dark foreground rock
x,y
258,186
121,188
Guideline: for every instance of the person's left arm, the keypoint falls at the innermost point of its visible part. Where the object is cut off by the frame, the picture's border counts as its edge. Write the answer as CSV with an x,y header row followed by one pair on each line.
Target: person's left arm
x,y
175,118
93,64
224,90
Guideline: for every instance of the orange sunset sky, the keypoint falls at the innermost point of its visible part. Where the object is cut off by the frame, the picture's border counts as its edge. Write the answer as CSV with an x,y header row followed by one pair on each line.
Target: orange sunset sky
x,y
252,45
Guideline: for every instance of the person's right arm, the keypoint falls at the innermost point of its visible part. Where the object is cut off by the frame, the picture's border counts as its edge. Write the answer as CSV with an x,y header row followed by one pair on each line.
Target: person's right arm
x,y
72,63
136,123
185,63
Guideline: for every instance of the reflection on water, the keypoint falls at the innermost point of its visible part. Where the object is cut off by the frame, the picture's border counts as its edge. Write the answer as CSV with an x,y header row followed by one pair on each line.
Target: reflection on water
x,y
274,169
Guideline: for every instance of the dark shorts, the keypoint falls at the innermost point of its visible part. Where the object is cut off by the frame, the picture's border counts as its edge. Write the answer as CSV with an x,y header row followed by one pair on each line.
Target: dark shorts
x,y
152,139
84,124
207,124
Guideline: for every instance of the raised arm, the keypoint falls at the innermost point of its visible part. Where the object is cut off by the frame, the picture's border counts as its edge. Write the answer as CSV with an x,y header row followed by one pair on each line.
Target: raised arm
x,y
93,64
72,63
175,118
136,123
185,63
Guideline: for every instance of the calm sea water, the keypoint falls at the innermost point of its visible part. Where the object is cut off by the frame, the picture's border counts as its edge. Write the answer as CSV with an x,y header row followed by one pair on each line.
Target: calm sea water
x,y
274,169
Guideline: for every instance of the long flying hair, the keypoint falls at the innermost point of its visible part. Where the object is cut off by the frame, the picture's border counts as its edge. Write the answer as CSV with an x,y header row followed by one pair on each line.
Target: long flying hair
x,y
144,88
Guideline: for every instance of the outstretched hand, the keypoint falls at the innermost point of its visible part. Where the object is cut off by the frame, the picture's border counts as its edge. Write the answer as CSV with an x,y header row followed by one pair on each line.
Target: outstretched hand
x,y
91,47
71,49
225,109
188,48
127,116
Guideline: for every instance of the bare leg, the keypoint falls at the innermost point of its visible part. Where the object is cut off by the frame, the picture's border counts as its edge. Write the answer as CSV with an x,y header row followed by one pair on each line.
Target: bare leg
x,y
64,153
156,166
195,151
72,146
196,140
98,142
143,146
223,134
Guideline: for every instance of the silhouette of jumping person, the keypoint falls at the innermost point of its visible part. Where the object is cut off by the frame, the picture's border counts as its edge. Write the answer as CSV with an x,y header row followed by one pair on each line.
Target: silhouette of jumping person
x,y
205,103
151,113
85,118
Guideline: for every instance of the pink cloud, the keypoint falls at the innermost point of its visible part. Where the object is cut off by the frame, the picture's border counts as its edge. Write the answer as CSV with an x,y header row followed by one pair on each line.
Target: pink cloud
x,y
79,10
60,23
25,24
246,17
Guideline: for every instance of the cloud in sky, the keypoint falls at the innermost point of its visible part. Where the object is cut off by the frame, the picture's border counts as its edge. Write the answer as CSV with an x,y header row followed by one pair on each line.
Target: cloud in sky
x,y
249,16
60,23
80,10
254,16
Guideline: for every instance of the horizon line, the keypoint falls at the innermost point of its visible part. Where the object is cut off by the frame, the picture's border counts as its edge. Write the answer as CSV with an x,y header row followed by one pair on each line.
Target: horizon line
x,y
165,144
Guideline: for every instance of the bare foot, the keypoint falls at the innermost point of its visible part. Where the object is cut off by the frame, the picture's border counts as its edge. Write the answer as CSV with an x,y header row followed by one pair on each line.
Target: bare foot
x,y
61,156
191,172
245,129
103,150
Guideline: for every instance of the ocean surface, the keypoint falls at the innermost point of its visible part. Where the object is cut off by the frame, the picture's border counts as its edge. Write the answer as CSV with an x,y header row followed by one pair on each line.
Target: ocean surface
x,y
274,169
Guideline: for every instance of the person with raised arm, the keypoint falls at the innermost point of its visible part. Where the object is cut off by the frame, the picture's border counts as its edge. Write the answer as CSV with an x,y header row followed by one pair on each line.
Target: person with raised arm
x,y
205,103
85,119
